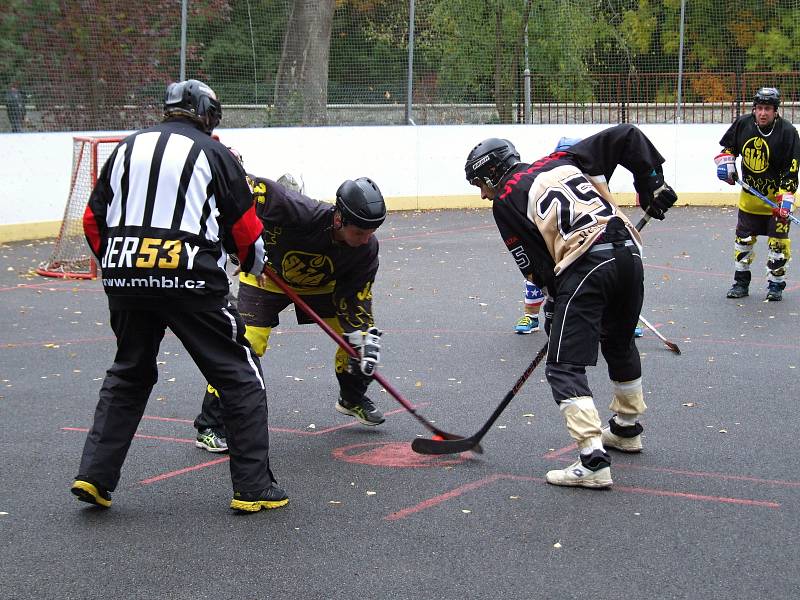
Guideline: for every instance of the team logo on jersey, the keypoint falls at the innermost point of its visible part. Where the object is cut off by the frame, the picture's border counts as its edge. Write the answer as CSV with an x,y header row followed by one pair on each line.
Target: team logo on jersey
x,y
303,269
755,155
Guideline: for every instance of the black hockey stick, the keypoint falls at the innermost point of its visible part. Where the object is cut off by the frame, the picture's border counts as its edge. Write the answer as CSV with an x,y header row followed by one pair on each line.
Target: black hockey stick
x,y
298,301
426,446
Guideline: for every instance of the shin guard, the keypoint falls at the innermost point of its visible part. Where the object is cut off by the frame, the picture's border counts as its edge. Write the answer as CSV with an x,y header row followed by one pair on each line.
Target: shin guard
x,y
583,422
628,398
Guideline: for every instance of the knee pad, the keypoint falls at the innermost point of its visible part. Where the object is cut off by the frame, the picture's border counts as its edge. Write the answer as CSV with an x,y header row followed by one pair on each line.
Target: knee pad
x,y
533,295
583,422
567,381
743,253
258,338
628,397
779,254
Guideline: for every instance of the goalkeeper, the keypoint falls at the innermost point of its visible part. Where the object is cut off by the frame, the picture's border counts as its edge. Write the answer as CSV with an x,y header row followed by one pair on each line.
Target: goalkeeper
x,y
770,151
329,256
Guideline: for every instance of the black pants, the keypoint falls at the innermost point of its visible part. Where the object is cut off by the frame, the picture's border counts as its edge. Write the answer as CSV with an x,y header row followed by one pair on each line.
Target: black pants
x,y
216,342
598,299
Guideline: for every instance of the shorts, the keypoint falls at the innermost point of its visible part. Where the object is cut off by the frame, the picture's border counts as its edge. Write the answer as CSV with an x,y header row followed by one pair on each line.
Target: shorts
x,y
748,224
260,308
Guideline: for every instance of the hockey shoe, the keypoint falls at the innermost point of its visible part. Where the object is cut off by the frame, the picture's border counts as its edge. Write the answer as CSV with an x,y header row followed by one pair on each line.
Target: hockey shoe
x,y
272,497
90,492
364,411
624,438
527,324
210,440
775,291
590,471
741,285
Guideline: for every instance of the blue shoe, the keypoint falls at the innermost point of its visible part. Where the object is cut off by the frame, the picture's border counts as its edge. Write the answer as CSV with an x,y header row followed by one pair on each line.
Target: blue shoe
x,y
638,332
527,324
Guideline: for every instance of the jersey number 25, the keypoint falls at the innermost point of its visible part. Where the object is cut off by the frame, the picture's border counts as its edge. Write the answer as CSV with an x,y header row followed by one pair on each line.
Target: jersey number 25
x,y
576,203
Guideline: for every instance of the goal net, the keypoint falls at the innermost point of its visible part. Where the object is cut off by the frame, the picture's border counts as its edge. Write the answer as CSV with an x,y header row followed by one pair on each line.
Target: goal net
x,y
71,256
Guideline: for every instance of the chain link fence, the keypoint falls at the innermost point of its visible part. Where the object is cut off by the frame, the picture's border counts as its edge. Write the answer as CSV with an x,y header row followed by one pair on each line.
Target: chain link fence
x,y
89,65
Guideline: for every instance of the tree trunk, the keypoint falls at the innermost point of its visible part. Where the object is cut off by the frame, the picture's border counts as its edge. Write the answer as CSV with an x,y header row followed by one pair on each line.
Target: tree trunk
x,y
301,84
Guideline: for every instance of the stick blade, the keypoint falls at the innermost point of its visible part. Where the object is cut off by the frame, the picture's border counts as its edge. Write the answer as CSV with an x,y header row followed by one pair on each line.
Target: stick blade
x,y
426,446
674,347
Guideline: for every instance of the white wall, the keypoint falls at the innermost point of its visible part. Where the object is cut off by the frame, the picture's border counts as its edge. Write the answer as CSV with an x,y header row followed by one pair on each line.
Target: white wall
x,y
415,167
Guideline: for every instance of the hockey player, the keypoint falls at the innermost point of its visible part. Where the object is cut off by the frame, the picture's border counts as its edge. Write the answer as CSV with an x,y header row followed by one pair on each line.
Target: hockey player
x,y
575,244
770,151
329,256
165,202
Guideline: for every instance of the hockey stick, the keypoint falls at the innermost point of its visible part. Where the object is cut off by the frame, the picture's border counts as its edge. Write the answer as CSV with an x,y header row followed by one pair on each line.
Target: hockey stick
x,y
426,446
298,301
671,345
751,190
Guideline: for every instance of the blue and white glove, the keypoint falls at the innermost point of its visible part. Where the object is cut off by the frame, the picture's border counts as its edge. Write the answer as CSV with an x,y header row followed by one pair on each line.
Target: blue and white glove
x,y
368,346
726,167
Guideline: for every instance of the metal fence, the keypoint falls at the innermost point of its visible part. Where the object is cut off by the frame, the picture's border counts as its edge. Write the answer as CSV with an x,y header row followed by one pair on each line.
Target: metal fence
x,y
103,64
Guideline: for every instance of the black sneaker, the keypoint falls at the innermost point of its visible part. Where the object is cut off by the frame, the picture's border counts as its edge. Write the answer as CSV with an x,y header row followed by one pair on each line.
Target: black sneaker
x,y
738,290
272,497
90,492
775,291
365,411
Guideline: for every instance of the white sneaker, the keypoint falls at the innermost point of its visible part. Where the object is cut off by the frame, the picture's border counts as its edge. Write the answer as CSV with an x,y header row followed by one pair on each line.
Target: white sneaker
x,y
578,475
622,444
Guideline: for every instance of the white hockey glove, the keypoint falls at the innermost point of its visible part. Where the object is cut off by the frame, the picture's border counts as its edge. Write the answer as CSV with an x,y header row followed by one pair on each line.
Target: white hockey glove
x,y
368,346
726,167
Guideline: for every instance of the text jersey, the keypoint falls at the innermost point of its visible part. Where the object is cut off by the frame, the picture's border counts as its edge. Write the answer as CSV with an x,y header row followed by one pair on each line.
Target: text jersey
x,y
769,162
298,236
550,213
169,204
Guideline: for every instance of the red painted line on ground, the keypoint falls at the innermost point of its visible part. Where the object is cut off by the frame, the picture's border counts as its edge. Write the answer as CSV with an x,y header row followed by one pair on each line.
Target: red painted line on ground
x,y
436,500
454,493
688,271
560,451
424,234
140,435
698,497
210,463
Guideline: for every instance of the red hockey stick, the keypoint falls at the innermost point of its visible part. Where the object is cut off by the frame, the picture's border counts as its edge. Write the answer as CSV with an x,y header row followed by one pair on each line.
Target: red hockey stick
x,y
298,301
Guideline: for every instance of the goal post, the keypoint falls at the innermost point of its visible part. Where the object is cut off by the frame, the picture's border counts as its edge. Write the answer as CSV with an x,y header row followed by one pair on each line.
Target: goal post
x,y
71,257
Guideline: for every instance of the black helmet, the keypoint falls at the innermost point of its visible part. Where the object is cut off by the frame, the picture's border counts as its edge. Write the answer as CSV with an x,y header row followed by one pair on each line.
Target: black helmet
x,y
767,95
360,203
490,160
193,99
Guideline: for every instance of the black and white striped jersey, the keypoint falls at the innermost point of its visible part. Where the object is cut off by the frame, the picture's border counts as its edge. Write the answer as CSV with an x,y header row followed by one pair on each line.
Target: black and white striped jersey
x,y
168,206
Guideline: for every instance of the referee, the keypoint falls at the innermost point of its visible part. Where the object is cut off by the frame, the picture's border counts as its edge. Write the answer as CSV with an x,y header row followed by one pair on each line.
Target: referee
x,y
169,205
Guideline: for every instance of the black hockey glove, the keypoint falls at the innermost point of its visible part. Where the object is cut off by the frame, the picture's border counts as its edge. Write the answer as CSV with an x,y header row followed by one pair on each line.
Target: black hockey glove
x,y
549,307
653,195
368,346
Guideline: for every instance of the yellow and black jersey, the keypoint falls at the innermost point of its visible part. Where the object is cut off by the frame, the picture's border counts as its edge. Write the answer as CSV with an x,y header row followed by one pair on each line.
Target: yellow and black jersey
x,y
769,158
549,213
299,243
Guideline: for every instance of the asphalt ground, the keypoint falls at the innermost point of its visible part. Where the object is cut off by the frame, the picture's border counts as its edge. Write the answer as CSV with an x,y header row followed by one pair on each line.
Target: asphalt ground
x,y
708,510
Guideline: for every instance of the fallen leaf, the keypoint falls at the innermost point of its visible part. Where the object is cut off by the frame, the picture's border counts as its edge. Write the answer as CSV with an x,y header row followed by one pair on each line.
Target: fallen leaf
x,y
557,545
465,511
